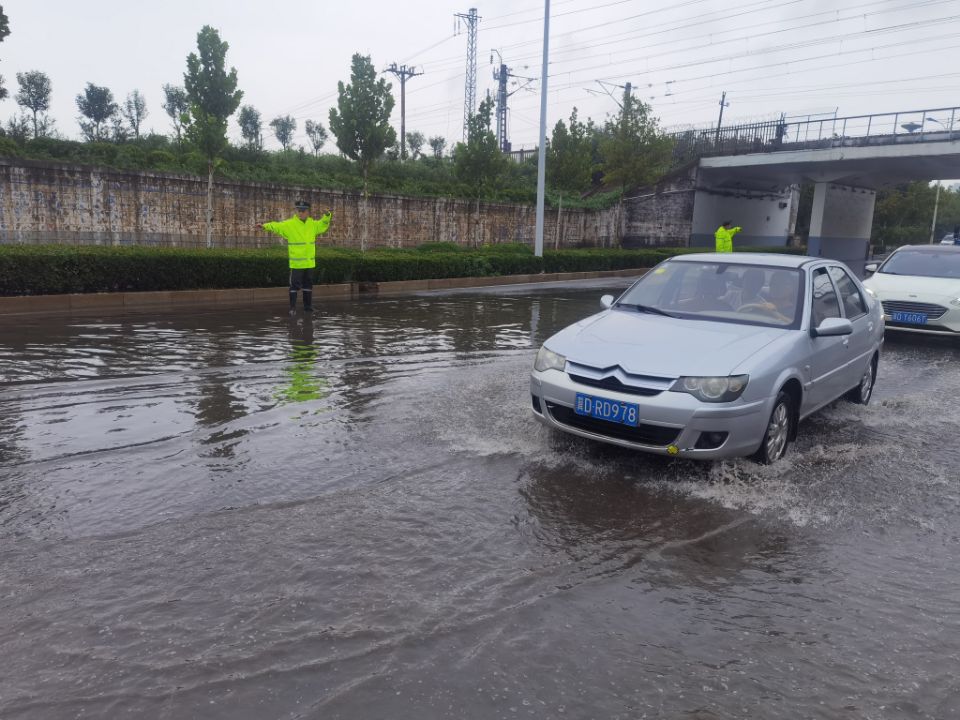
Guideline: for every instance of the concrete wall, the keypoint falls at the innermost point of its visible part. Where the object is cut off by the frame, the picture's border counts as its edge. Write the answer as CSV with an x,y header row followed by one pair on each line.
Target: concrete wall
x,y
840,223
767,218
54,203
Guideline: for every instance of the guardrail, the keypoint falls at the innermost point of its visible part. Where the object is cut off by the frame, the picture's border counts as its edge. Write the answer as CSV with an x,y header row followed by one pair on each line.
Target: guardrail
x,y
912,126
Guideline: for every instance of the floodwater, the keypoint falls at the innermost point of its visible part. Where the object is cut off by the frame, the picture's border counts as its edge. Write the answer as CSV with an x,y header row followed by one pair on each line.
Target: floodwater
x,y
231,514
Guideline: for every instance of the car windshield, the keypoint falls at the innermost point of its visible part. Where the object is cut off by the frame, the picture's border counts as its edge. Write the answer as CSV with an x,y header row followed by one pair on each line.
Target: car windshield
x,y
719,291
939,264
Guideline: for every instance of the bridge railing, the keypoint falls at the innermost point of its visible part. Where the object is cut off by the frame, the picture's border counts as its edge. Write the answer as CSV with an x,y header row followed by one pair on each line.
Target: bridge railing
x,y
912,126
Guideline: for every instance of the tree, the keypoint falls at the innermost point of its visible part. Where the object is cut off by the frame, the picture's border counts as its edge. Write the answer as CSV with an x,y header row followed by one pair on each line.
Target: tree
x,y
18,128
317,134
97,105
176,105
438,144
34,96
361,120
569,161
479,162
633,149
4,31
415,141
135,110
283,128
213,97
251,127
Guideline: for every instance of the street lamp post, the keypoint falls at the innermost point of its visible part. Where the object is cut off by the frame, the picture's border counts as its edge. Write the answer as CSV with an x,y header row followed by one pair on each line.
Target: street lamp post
x,y
936,205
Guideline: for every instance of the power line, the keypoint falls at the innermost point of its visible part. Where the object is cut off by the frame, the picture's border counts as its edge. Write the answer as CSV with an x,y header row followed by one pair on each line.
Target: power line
x,y
470,84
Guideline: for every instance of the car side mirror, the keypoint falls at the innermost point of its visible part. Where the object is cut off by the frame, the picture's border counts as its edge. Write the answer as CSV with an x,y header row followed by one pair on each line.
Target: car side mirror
x,y
832,327
607,301
871,268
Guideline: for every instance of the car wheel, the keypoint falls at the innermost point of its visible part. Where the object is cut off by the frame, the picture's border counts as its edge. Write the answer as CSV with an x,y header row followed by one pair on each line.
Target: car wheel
x,y
862,393
777,436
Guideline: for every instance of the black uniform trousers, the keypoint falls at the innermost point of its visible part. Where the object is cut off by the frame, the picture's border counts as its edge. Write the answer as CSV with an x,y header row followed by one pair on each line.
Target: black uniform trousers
x,y
301,279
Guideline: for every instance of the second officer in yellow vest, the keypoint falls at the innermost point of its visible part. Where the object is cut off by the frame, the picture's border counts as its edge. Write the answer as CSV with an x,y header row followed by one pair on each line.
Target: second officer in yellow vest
x,y
300,232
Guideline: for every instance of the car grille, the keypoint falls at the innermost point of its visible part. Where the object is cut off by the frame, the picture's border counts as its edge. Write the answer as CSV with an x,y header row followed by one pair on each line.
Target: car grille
x,y
614,384
643,434
929,309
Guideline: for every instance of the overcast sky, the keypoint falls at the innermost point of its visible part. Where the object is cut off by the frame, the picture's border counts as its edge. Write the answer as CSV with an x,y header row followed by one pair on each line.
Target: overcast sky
x,y
794,56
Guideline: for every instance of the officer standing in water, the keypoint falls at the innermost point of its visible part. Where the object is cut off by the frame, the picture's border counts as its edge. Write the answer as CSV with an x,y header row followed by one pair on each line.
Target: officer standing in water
x,y
300,232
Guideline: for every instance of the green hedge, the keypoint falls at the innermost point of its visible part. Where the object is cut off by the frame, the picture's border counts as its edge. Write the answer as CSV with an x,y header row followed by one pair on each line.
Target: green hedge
x,y
53,269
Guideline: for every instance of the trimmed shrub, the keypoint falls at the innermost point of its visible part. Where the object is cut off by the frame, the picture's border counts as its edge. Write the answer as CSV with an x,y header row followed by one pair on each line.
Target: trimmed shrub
x,y
52,269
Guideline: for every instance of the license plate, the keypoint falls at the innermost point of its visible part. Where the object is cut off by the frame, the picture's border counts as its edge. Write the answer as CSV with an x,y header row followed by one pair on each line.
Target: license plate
x,y
908,317
610,410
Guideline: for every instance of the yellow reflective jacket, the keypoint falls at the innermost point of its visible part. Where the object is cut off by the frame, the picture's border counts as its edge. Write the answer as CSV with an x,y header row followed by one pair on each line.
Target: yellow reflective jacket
x,y
724,238
301,237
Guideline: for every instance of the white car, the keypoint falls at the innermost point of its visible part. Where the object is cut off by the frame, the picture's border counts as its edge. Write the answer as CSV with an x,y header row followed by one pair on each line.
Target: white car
x,y
919,287
949,239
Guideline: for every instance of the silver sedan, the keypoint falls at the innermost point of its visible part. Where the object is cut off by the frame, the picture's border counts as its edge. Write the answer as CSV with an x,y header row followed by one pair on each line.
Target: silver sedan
x,y
712,356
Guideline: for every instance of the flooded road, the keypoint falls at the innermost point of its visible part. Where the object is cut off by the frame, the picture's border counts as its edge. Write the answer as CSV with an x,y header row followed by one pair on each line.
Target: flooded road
x,y
229,514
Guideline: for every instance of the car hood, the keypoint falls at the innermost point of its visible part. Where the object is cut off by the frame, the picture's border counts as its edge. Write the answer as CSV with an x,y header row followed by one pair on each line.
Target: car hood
x,y
900,287
645,344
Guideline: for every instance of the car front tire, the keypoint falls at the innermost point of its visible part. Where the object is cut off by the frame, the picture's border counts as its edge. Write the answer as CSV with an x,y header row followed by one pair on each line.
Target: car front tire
x,y
777,436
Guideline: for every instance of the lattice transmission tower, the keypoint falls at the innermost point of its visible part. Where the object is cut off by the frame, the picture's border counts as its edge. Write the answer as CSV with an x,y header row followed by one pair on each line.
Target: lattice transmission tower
x,y
470,86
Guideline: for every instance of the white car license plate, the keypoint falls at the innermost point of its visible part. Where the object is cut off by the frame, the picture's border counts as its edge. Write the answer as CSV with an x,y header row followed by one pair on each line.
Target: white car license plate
x,y
909,317
610,410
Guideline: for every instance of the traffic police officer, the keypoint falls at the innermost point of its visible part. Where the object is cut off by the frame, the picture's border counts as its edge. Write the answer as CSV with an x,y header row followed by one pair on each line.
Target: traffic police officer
x,y
300,232
724,236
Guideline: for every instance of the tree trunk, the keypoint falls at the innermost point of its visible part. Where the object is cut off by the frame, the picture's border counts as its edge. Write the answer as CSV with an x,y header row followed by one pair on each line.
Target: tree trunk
x,y
210,203
366,212
556,242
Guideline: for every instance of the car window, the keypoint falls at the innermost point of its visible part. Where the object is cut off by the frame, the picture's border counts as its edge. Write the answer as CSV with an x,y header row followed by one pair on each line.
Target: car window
x,y
720,291
941,262
825,303
853,304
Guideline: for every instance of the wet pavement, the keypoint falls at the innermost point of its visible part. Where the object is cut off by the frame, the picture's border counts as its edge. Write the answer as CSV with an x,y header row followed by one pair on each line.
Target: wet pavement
x,y
231,514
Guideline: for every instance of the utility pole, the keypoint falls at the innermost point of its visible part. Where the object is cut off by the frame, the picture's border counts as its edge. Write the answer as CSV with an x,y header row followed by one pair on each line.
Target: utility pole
x,y
936,206
403,72
502,75
723,104
542,154
470,85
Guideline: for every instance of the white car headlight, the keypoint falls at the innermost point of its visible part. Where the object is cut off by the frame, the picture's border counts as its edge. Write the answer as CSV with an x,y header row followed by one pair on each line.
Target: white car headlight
x,y
549,360
712,389
955,301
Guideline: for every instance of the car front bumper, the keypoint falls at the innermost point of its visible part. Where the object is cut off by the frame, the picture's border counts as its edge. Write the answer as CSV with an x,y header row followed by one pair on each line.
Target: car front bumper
x,y
947,324
671,423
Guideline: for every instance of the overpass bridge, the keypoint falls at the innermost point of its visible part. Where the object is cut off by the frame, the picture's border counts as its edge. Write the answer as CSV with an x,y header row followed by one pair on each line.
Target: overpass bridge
x,y
751,174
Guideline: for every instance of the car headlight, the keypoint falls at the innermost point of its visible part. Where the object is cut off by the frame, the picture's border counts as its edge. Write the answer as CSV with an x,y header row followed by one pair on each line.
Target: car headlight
x,y
549,360
712,389
955,301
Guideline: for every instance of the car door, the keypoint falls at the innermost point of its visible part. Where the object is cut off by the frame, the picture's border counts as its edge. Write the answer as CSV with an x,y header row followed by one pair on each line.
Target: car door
x,y
854,307
830,356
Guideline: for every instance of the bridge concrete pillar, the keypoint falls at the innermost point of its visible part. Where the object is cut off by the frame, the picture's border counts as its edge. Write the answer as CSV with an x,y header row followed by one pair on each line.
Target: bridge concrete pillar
x,y
840,224
767,217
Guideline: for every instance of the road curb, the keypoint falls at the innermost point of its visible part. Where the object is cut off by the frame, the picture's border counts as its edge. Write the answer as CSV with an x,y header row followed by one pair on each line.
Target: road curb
x,y
169,299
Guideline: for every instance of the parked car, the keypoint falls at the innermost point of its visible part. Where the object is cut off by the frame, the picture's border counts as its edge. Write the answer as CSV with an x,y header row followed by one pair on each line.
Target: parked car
x,y
919,287
713,356
949,239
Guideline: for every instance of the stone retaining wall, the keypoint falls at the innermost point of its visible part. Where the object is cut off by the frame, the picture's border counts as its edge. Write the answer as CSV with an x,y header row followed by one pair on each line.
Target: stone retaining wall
x,y
42,202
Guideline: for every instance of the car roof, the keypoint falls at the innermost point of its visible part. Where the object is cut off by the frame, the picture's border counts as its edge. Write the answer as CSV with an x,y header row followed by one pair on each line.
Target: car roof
x,y
780,260
936,248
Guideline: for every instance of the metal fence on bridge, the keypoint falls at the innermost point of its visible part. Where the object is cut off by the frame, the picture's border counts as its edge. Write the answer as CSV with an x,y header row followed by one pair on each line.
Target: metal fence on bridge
x,y
912,126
